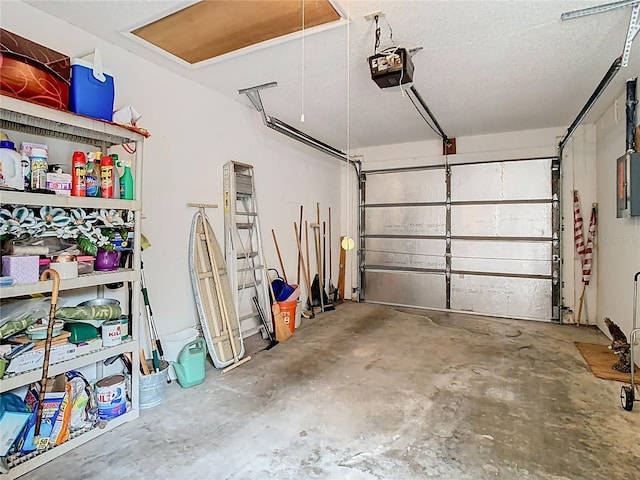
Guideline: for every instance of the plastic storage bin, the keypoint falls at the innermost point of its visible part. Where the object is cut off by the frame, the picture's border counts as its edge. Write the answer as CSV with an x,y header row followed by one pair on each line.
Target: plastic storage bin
x,y
92,89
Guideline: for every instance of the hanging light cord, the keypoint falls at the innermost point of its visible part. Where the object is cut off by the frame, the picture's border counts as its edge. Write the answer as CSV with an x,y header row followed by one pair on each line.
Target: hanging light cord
x,y
377,42
302,100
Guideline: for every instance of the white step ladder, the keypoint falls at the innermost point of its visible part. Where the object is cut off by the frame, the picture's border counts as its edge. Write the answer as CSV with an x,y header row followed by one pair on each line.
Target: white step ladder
x,y
243,246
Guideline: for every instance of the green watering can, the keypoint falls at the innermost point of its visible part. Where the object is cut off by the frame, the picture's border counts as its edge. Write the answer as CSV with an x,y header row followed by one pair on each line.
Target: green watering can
x,y
190,365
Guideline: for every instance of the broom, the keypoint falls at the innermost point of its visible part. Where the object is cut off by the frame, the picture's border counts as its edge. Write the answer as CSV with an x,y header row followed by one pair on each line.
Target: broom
x,y
282,331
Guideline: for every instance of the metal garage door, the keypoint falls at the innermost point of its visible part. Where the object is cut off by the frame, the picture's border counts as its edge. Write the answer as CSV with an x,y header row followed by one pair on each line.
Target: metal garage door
x,y
477,237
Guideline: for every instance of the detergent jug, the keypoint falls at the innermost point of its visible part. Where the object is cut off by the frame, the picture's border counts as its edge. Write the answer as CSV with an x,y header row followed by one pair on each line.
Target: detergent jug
x,y
10,166
190,365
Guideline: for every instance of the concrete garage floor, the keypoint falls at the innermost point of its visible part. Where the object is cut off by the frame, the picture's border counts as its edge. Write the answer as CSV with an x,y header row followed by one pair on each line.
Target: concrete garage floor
x,y
373,392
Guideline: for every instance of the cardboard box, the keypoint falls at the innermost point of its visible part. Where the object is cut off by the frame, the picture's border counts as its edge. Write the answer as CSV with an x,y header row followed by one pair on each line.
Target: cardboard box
x,y
34,358
34,72
13,416
23,268
59,183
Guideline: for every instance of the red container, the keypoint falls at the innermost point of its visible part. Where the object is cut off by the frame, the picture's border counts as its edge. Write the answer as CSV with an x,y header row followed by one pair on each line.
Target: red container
x,y
106,177
79,175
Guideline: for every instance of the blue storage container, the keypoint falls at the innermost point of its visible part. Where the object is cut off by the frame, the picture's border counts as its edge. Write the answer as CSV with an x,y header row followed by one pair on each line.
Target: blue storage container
x,y
92,89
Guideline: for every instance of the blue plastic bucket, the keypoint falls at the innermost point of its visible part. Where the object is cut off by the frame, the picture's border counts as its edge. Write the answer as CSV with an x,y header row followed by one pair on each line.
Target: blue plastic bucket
x,y
281,289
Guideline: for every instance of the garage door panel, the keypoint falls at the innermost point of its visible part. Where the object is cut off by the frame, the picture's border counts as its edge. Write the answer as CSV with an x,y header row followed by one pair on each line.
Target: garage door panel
x,y
519,220
522,180
405,187
489,249
401,288
532,258
405,253
406,221
509,297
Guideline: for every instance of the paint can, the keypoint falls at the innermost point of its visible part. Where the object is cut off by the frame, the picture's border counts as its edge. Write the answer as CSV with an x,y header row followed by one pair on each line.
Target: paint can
x,y
124,324
111,397
111,333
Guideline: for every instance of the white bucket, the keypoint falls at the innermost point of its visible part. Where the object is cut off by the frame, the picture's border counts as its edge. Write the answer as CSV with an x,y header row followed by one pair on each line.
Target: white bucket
x,y
111,397
298,314
172,345
153,386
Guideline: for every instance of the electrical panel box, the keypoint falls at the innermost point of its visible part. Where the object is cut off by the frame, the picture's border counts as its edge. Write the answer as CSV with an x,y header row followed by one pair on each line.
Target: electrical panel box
x,y
391,68
628,185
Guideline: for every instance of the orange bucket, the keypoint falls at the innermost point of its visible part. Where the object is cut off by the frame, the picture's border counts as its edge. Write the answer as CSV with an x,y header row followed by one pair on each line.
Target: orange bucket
x,y
288,310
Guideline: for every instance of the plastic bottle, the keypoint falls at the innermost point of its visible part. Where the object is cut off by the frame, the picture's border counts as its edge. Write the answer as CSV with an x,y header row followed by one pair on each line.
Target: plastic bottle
x,y
10,166
106,177
93,174
79,175
39,169
116,175
126,183
26,170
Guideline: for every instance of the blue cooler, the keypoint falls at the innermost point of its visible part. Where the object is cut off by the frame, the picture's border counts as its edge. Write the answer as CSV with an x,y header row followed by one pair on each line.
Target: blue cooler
x,y
92,89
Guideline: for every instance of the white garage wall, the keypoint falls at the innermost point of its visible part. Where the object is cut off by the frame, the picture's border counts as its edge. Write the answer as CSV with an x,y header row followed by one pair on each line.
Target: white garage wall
x,y
619,243
578,173
194,132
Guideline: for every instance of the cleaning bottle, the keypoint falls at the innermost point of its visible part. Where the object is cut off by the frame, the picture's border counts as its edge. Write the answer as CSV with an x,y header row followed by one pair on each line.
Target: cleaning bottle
x,y
10,166
116,175
93,174
79,175
39,168
126,183
106,177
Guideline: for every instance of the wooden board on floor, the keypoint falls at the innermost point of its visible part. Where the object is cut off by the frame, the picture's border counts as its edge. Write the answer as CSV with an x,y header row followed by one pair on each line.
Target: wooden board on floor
x,y
600,360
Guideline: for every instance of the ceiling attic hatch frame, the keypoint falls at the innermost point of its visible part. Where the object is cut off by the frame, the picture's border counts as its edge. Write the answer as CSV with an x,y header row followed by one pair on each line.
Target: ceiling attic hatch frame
x,y
253,93
202,33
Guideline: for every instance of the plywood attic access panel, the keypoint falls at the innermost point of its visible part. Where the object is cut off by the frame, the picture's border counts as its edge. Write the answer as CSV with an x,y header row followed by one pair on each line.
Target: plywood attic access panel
x,y
212,28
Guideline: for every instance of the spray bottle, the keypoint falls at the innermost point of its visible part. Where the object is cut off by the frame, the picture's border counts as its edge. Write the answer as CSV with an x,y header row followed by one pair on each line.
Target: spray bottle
x,y
126,183
78,175
93,174
106,177
116,175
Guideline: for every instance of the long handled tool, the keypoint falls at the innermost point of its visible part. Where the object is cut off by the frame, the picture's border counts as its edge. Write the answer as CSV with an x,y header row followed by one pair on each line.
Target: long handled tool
x,y
299,235
282,331
275,242
41,443
157,351
221,303
333,292
328,304
272,341
306,239
305,276
315,227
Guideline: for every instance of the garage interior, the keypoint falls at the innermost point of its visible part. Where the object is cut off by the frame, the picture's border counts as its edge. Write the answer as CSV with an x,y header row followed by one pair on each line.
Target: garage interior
x,y
453,353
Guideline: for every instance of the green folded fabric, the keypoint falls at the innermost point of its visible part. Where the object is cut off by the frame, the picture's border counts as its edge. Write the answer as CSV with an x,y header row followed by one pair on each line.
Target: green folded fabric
x,y
97,312
15,326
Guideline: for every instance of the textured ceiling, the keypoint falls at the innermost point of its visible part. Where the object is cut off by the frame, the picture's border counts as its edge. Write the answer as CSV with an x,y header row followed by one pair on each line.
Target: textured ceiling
x,y
485,66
